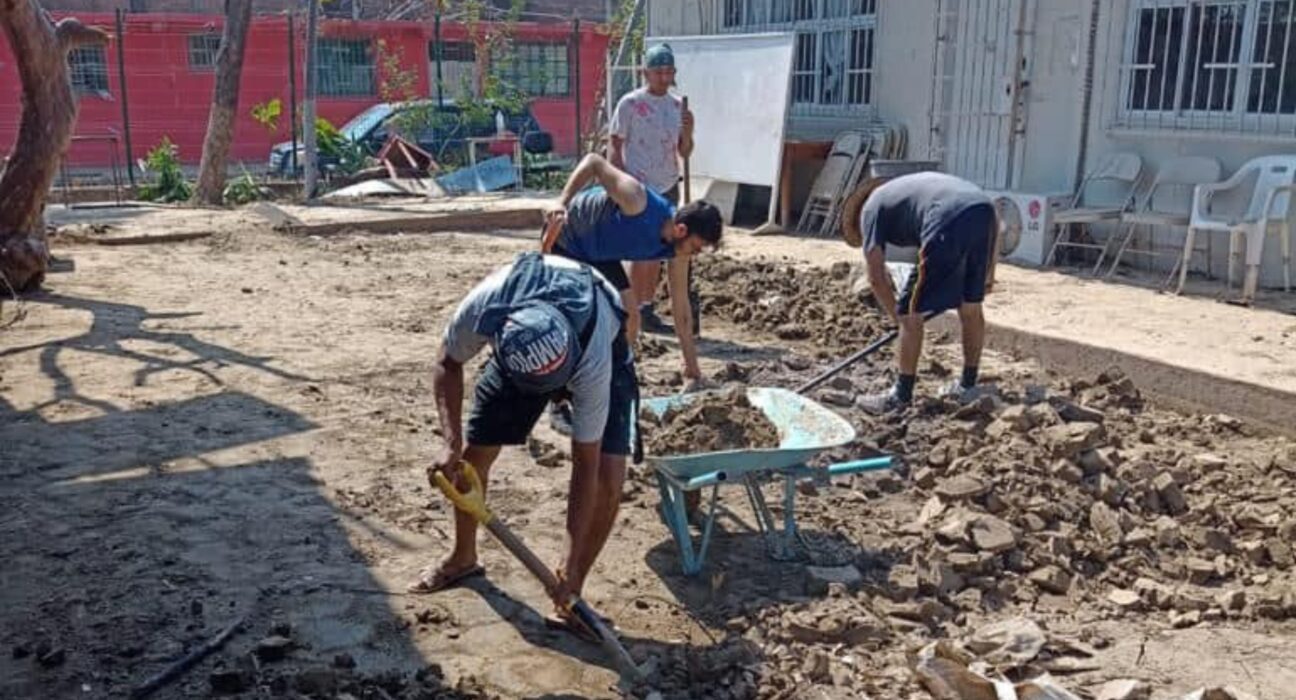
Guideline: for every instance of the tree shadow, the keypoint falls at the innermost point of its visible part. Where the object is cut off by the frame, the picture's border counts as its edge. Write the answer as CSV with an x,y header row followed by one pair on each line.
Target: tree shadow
x,y
115,324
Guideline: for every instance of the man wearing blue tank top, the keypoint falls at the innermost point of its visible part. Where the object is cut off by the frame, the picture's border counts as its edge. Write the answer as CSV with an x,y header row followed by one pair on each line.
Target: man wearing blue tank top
x,y
620,220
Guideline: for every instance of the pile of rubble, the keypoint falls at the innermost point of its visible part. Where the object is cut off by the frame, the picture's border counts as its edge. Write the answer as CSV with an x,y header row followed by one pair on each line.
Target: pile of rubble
x,y
1069,500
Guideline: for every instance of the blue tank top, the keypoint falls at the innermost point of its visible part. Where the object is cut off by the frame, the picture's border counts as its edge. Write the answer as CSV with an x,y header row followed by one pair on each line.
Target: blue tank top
x,y
596,230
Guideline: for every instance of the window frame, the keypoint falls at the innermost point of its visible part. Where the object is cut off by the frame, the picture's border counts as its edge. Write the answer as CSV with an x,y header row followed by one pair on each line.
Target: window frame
x,y
214,50
1236,117
517,73
322,87
810,17
78,87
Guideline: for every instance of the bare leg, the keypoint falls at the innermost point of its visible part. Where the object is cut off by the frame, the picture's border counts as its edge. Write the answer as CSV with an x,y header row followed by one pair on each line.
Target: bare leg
x,y
911,341
586,547
972,321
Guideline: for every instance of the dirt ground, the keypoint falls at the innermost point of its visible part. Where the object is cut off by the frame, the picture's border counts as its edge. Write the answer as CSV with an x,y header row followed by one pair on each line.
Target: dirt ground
x,y
235,429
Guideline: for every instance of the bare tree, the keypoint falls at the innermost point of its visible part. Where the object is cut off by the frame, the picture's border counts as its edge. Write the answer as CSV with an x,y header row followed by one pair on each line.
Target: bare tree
x,y
48,113
224,109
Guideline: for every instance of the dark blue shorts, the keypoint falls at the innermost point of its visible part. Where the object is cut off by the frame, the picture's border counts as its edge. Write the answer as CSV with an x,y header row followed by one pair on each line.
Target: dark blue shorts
x,y
502,414
953,263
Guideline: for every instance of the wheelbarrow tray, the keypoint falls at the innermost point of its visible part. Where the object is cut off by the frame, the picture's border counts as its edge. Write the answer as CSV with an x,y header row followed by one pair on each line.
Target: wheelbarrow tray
x,y
805,428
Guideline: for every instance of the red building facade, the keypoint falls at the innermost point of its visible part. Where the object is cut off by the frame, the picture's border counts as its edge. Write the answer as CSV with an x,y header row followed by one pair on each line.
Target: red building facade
x,y
169,78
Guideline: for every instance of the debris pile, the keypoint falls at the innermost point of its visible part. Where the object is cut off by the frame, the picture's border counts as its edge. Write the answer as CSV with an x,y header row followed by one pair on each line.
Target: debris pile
x,y
713,422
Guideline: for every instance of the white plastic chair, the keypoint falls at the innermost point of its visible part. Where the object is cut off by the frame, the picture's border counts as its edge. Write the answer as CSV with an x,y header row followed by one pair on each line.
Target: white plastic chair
x,y
1123,170
1167,204
1269,209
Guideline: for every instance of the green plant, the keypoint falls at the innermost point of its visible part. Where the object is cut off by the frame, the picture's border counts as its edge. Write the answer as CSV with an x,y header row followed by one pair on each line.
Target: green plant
x,y
168,184
267,114
350,155
244,189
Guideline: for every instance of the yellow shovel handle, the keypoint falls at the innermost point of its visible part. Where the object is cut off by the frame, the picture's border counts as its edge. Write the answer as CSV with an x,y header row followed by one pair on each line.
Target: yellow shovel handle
x,y
472,501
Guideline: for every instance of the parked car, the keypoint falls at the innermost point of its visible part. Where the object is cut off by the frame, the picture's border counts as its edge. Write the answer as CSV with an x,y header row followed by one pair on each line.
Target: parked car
x,y
441,130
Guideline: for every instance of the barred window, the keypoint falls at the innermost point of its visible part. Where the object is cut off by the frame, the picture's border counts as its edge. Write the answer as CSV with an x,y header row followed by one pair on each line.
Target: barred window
x,y
537,70
202,51
88,69
832,67
1227,64
346,67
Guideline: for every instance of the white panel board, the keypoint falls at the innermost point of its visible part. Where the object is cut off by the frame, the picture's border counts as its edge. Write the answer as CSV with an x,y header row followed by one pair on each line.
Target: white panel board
x,y
738,88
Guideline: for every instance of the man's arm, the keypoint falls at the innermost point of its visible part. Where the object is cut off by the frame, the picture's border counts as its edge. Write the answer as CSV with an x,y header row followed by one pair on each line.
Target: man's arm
x,y
627,192
880,281
633,320
447,393
677,283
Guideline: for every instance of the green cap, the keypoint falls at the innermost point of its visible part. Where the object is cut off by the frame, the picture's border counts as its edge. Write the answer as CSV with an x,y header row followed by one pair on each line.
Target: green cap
x,y
659,56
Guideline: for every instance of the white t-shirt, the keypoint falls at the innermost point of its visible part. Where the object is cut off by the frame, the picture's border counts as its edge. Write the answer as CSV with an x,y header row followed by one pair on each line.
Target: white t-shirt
x,y
590,384
650,125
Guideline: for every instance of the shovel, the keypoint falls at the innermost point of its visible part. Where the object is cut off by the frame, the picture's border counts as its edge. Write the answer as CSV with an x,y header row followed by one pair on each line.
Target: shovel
x,y
473,503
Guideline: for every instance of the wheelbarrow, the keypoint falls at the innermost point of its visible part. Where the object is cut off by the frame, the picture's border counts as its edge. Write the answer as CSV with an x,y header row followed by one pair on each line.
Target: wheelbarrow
x,y
805,429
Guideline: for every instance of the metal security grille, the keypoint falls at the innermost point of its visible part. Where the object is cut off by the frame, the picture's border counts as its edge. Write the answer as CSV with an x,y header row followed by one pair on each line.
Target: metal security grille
x,y
202,51
88,69
537,69
346,67
460,74
1219,66
832,69
978,107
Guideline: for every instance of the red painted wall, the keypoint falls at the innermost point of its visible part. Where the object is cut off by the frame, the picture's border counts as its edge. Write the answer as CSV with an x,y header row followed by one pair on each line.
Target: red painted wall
x,y
169,99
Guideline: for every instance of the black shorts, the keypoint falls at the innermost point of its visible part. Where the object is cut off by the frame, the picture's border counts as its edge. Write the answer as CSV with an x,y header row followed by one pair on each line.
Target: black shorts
x,y
952,264
502,414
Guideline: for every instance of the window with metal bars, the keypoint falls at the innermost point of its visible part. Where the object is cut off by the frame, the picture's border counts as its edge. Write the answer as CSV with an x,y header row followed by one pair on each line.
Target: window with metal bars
x,y
1211,64
88,69
537,69
202,51
346,67
832,67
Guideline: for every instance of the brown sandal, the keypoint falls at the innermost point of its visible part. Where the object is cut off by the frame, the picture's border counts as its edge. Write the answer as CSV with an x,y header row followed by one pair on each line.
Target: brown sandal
x,y
437,580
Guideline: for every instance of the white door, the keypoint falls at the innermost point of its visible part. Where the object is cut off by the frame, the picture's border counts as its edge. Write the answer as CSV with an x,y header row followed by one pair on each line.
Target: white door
x,y
979,115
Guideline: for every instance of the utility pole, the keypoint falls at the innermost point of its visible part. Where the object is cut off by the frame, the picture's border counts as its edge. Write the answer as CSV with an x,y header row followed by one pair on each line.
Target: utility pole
x,y
308,129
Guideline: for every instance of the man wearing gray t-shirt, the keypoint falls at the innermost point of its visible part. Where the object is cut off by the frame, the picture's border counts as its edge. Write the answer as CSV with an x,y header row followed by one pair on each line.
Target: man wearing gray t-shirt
x,y
555,329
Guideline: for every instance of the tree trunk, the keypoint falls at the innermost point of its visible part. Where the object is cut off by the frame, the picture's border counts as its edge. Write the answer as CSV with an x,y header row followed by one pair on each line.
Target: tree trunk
x,y
224,109
49,110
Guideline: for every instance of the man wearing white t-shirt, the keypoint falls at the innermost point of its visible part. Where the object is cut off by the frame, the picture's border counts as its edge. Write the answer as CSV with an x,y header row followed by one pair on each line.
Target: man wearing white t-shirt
x,y
651,131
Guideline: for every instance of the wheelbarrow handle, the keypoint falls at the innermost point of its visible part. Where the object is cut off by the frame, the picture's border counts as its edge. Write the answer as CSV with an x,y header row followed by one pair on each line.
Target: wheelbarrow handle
x,y
861,465
472,501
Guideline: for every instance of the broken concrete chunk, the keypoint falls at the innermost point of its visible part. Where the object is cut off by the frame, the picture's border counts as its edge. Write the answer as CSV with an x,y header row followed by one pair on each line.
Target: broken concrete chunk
x,y
1186,619
1232,600
1105,523
273,648
943,671
1017,641
960,487
1199,570
1210,461
819,578
1067,471
990,534
1124,599
1171,495
1124,689
1070,439
1052,579
1077,413
1280,553
229,681
902,582
834,397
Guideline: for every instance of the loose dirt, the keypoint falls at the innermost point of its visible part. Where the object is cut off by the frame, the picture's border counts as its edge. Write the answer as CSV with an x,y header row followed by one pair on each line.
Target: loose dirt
x,y
202,431
715,423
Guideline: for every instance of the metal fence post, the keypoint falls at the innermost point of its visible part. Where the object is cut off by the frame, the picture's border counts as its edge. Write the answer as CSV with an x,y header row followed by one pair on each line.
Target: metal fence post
x,y
292,86
576,50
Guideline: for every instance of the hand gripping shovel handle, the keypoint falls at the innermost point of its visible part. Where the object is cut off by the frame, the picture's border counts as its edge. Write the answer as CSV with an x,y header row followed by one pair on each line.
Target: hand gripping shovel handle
x,y
473,502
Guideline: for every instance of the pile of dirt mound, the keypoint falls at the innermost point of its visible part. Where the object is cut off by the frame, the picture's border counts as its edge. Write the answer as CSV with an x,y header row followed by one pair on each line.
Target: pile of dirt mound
x,y
791,303
712,423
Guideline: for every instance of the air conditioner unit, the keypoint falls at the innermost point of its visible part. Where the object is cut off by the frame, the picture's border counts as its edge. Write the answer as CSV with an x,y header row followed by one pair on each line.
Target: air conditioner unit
x,y
1026,224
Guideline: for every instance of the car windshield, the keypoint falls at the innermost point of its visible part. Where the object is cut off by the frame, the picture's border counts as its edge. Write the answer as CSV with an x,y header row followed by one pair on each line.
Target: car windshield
x,y
364,122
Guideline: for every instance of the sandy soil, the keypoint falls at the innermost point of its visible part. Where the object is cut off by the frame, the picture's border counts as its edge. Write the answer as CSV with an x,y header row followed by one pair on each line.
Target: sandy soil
x,y
233,427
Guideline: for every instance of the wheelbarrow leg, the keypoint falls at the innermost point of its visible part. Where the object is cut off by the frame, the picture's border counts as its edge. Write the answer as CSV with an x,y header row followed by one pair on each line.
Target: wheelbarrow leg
x,y
675,515
780,545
